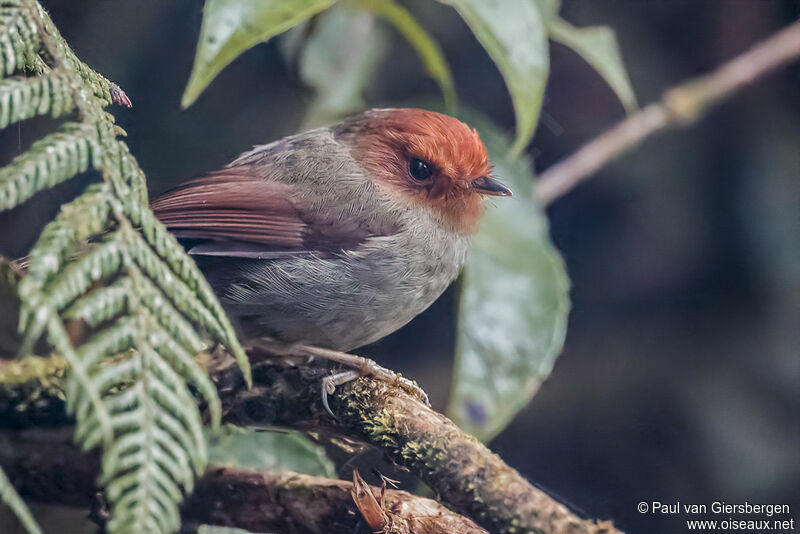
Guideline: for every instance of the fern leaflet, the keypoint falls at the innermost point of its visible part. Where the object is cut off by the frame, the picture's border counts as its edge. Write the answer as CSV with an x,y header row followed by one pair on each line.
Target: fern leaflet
x,y
106,264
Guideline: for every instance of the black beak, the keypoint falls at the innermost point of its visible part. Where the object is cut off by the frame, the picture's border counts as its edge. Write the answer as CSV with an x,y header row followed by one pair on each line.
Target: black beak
x,y
487,186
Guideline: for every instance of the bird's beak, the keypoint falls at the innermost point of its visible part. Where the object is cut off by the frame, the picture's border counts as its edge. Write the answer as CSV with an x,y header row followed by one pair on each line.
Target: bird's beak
x,y
487,186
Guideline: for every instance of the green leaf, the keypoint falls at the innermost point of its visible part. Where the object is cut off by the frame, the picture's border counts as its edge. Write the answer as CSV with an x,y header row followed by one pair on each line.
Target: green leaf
x,y
514,35
426,47
514,303
549,9
337,60
232,26
11,498
598,46
259,450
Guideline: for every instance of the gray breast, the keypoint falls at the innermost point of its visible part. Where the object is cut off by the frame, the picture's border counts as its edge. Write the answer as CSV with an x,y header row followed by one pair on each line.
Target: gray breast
x,y
341,301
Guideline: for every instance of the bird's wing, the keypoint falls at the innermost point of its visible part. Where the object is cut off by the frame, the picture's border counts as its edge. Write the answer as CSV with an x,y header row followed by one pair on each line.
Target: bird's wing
x,y
234,213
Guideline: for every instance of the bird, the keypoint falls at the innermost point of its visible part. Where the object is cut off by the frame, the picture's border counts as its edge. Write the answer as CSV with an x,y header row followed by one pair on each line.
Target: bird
x,y
328,240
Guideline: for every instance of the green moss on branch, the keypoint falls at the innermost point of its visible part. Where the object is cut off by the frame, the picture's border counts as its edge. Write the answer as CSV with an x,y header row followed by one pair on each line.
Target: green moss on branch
x,y
463,472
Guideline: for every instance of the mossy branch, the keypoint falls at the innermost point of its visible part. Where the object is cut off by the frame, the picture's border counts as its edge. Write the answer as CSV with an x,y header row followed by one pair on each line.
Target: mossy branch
x,y
468,477
51,471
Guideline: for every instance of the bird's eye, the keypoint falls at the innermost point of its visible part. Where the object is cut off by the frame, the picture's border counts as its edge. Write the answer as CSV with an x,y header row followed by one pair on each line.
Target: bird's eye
x,y
420,170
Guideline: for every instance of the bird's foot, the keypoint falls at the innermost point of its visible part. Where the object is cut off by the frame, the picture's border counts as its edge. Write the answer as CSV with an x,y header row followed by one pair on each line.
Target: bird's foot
x,y
360,367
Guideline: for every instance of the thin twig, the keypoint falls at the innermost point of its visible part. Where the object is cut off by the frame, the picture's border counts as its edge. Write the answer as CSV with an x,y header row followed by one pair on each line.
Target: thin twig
x,y
680,106
464,473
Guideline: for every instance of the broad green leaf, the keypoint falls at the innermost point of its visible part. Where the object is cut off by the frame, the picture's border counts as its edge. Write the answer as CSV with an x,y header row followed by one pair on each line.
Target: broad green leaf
x,y
426,47
232,26
257,450
513,33
549,9
598,46
514,302
338,60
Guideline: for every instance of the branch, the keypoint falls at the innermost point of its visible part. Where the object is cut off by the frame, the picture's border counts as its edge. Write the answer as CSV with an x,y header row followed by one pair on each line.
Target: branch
x,y
465,474
680,106
50,471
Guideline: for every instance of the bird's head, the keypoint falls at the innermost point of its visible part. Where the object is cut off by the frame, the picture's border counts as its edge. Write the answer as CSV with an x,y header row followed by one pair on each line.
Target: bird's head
x,y
428,159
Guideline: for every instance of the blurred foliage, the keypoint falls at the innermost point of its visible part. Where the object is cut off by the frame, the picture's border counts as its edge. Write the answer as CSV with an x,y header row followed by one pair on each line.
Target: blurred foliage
x,y
268,449
514,302
514,35
337,59
142,308
427,49
232,26
513,32
598,46
11,498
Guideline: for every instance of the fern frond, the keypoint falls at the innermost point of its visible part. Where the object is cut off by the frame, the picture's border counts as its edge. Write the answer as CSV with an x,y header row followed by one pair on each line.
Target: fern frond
x,y
75,280
18,37
24,98
106,261
76,222
188,367
133,175
172,252
58,336
78,276
51,160
12,499
181,295
158,446
101,304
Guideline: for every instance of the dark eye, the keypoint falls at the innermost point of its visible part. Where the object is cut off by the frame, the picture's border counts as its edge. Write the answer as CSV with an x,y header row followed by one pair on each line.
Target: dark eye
x,y
420,170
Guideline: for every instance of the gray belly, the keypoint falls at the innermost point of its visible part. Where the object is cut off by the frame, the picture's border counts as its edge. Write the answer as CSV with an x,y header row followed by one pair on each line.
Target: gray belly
x,y
339,302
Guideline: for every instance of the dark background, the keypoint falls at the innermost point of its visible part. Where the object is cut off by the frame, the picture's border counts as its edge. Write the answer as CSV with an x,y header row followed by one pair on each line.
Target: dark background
x,y
679,379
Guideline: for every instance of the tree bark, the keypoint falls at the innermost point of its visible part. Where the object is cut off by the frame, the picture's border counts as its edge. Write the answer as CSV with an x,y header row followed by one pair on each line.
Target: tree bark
x,y
463,472
51,471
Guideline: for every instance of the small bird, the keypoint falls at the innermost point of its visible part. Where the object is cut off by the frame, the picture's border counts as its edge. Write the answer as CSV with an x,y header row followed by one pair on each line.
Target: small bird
x,y
331,239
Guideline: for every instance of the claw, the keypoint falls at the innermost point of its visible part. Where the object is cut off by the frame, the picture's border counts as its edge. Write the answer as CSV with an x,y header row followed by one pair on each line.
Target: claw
x,y
327,389
329,384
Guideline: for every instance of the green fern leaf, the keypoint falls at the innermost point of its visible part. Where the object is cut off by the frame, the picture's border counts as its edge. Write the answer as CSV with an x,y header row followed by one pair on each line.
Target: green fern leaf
x,y
133,175
18,38
23,98
159,445
50,161
79,374
12,499
101,304
143,306
76,222
176,336
172,252
190,291
78,276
